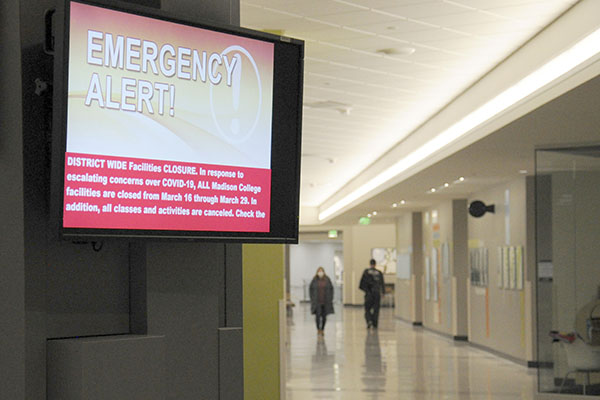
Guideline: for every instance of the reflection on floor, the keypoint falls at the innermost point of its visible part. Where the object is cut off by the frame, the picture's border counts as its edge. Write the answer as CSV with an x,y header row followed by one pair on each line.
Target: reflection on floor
x,y
395,362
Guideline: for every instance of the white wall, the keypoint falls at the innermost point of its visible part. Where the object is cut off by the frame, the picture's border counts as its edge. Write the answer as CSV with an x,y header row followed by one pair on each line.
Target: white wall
x,y
499,318
305,258
438,229
358,242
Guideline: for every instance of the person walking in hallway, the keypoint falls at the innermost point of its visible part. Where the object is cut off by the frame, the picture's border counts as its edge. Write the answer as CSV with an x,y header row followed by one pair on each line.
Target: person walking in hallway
x,y
321,298
371,283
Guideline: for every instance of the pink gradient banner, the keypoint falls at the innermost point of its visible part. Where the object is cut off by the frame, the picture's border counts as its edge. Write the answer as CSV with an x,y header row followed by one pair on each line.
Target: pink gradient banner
x,y
146,88
107,192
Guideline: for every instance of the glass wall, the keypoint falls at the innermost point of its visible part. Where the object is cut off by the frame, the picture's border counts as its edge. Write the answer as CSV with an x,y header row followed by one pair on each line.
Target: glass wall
x,y
568,269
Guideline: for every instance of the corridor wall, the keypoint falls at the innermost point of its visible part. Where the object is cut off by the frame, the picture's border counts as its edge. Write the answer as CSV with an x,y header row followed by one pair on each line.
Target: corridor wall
x,y
444,268
500,316
358,242
305,258
409,287
263,288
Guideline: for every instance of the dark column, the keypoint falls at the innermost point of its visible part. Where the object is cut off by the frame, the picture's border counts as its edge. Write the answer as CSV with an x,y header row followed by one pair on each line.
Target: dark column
x,y
194,290
417,265
460,265
12,240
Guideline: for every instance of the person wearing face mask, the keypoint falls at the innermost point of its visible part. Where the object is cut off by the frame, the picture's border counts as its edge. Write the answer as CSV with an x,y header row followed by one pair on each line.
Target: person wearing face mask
x,y
321,298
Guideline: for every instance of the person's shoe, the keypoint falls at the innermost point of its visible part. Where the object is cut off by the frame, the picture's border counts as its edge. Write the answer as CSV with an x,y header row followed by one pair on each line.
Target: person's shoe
x,y
369,325
321,332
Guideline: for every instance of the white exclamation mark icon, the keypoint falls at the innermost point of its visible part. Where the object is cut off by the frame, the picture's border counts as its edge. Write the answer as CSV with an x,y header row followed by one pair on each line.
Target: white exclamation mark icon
x,y
236,83
172,99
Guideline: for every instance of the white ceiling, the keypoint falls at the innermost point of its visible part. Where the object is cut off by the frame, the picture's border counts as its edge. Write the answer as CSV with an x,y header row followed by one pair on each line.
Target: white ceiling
x,y
363,94
502,156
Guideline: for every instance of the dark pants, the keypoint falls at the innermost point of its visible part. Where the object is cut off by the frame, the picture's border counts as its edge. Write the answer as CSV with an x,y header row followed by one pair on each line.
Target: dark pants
x,y
321,316
372,302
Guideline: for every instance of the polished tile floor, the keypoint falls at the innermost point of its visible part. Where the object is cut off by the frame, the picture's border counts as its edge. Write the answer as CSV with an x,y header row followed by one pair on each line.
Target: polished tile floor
x,y
395,362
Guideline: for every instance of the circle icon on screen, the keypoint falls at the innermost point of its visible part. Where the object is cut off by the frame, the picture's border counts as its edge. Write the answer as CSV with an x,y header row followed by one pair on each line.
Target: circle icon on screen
x,y
236,108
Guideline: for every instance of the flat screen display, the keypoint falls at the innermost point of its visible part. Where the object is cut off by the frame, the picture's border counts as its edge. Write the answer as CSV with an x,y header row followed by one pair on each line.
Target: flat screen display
x,y
173,129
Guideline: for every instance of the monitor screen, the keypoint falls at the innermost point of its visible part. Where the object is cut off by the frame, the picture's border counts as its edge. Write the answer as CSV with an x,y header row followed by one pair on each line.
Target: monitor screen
x,y
176,128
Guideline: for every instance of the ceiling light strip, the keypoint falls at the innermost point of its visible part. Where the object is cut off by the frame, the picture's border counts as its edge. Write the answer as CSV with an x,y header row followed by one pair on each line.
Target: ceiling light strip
x,y
555,68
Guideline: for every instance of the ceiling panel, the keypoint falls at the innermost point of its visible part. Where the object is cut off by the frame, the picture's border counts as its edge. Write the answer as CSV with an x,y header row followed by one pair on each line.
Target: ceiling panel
x,y
367,43
420,10
393,27
427,35
356,18
464,18
259,18
308,8
491,4
499,28
455,42
386,3
333,34
540,10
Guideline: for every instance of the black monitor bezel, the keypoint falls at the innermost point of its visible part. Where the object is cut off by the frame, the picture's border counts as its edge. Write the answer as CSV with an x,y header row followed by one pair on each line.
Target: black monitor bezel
x,y
286,133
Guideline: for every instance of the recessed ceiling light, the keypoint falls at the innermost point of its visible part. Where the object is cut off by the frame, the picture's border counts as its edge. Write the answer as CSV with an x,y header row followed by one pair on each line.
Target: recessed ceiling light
x,y
522,171
462,178
446,184
374,212
342,108
397,51
432,190
395,205
403,202
369,215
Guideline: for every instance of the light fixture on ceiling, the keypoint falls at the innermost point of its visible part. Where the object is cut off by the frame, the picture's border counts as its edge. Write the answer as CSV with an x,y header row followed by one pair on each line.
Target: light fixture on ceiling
x,y
523,171
369,215
461,179
397,51
342,108
402,201
552,70
395,205
374,213
432,190
446,184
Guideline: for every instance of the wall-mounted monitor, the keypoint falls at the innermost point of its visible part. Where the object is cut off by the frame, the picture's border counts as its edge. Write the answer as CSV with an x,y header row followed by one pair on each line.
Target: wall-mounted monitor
x,y
173,127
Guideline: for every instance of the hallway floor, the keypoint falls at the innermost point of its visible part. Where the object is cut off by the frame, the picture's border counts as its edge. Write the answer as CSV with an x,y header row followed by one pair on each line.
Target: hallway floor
x,y
396,361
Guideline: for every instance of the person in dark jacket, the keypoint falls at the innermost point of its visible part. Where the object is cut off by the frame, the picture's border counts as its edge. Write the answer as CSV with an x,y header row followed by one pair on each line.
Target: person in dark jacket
x,y
321,298
372,284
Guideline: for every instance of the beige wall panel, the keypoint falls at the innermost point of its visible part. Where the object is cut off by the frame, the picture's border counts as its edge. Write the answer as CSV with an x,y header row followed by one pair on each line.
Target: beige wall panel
x,y
437,229
498,317
358,242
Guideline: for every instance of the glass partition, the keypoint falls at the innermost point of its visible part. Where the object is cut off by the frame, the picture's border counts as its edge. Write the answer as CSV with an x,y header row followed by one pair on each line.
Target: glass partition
x,y
568,270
